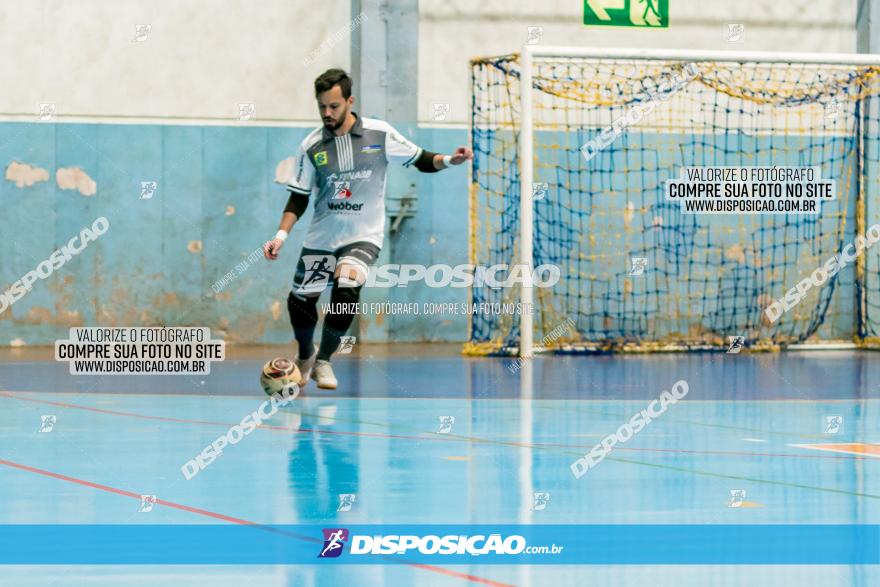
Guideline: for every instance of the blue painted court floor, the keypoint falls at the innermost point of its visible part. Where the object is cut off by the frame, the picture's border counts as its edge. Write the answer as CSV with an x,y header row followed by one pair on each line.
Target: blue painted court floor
x,y
789,438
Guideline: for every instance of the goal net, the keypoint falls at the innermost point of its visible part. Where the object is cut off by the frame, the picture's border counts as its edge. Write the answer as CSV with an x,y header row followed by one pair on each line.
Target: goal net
x,y
636,273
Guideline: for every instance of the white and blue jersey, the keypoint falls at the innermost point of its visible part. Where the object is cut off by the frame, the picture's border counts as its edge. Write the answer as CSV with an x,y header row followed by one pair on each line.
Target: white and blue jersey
x,y
345,179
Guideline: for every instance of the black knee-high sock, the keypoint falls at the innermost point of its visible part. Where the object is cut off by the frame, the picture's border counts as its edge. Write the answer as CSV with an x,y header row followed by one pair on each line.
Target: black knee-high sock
x,y
336,325
303,317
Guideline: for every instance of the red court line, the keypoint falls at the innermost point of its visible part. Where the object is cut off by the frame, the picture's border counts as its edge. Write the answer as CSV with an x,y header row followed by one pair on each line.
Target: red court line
x,y
225,518
427,436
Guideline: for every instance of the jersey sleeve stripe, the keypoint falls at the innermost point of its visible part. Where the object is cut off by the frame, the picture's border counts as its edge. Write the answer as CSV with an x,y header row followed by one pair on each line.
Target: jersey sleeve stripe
x,y
298,190
417,154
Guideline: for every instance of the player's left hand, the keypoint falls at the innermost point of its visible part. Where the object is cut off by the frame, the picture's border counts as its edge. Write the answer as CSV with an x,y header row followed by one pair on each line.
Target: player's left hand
x,y
461,155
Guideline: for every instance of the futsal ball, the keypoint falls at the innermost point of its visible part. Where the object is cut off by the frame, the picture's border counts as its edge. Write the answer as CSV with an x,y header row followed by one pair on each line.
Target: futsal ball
x,y
279,374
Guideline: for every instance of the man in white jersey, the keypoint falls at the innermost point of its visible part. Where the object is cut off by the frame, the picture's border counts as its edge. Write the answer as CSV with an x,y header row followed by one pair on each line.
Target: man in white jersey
x,y
342,167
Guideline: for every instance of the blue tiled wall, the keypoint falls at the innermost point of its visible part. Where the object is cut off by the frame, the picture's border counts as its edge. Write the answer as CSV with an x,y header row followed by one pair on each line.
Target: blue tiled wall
x,y
216,203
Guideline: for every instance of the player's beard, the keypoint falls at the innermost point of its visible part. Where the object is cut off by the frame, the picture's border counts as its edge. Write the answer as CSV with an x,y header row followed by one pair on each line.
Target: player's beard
x,y
332,124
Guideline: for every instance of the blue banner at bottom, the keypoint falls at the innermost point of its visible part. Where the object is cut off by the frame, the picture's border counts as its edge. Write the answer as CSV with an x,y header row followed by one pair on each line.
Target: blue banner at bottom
x,y
812,544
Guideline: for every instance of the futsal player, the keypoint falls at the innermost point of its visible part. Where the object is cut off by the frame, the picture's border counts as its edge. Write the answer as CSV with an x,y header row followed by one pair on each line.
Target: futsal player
x,y
341,166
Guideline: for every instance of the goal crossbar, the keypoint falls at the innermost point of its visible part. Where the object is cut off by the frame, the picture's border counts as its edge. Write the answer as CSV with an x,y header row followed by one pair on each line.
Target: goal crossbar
x,y
698,55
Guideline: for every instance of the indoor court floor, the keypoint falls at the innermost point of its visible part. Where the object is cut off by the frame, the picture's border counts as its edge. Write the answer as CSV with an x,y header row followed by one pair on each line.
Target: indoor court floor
x,y
797,432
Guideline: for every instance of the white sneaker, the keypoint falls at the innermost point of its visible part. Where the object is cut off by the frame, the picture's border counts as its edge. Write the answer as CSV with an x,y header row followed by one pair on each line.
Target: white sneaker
x,y
323,374
305,367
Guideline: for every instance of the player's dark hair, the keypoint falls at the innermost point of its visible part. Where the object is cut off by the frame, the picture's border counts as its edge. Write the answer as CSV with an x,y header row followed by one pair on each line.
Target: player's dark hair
x,y
333,77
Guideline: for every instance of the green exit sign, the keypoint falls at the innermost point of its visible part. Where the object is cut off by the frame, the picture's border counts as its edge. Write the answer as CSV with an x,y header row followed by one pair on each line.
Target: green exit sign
x,y
641,13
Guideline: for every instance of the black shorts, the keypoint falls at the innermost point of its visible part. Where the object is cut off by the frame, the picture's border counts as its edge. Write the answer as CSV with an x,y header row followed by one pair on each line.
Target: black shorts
x,y
315,268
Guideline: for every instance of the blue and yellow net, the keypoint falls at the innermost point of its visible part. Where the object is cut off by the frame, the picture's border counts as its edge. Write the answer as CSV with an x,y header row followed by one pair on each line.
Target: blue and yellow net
x,y
706,277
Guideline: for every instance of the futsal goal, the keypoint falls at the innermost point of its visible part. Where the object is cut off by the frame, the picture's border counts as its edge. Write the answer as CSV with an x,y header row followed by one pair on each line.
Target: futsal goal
x,y
565,174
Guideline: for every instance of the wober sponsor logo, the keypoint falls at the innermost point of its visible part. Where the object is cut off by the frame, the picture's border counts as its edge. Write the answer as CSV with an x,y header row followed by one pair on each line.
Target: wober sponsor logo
x,y
347,206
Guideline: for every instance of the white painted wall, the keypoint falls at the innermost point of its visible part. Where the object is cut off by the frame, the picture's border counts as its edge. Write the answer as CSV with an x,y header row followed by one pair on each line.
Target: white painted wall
x,y
199,61
202,58
453,31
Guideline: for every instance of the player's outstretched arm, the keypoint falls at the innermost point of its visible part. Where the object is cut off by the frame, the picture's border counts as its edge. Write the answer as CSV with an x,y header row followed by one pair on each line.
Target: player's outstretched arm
x,y
429,162
399,149
460,155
